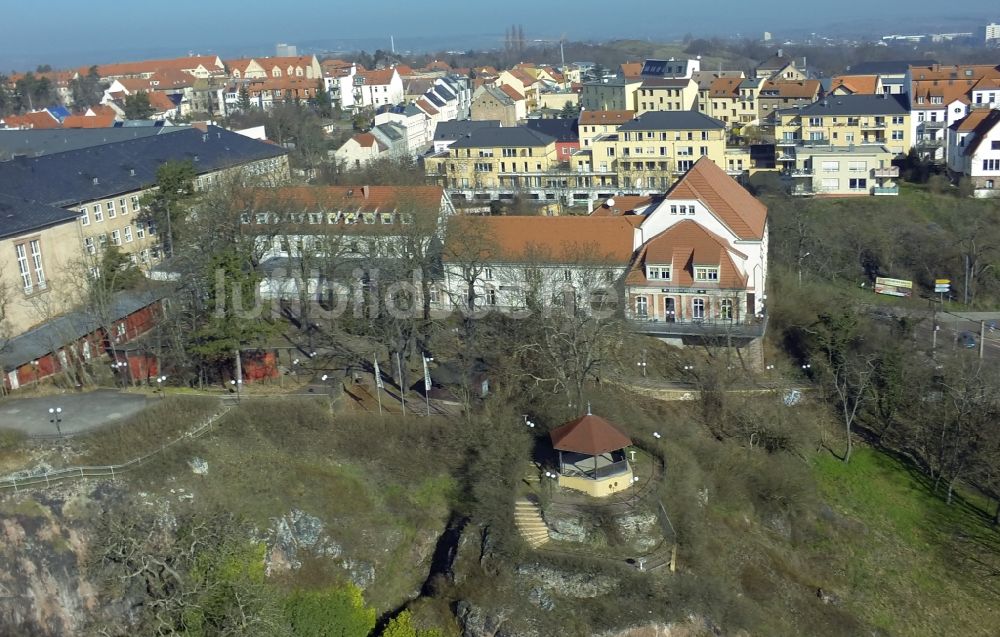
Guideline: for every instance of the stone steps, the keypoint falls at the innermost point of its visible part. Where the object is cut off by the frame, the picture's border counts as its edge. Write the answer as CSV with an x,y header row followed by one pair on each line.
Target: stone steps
x,y
529,522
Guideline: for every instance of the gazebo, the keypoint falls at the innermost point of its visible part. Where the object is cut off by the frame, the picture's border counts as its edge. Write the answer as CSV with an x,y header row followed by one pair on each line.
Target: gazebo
x,y
592,456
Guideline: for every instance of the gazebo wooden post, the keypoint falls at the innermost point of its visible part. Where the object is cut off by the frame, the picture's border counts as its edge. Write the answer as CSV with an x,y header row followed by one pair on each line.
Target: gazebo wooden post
x,y
595,467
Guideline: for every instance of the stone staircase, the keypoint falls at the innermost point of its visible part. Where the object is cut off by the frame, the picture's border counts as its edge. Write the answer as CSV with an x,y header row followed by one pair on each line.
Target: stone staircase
x,y
528,518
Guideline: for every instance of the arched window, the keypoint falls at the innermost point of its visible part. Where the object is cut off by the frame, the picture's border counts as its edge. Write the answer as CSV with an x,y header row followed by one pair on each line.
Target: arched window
x,y
726,309
698,309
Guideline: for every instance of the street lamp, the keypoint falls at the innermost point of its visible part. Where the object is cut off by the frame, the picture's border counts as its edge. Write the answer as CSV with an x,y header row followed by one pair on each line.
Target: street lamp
x,y
527,422
159,384
236,383
642,363
55,416
118,367
656,434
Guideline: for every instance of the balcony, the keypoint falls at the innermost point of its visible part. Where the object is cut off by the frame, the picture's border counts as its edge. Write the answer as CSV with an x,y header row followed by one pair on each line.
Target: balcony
x,y
787,142
799,173
873,124
885,190
704,328
930,143
933,125
785,157
890,172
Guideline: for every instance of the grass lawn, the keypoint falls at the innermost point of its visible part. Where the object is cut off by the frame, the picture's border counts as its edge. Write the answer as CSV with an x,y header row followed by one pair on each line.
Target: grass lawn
x,y
914,565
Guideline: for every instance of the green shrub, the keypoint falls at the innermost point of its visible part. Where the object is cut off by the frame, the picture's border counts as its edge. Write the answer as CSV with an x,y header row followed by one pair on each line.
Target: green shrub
x,y
331,612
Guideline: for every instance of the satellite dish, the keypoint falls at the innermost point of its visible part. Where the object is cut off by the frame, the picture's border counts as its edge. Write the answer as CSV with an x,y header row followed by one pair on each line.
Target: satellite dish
x,y
610,202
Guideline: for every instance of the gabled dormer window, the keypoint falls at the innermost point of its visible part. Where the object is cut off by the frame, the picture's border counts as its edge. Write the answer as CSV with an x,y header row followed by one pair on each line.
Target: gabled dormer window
x,y
706,273
658,272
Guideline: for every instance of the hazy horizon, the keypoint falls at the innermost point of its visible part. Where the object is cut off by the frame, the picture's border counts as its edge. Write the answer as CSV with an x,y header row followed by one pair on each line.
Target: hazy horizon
x,y
84,33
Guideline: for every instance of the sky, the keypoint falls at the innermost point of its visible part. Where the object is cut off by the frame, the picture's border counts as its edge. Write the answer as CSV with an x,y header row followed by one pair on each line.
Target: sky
x,y
71,32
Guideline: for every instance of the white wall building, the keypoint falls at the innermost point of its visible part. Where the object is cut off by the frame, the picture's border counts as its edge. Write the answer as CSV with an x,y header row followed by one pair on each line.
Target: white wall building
x,y
974,151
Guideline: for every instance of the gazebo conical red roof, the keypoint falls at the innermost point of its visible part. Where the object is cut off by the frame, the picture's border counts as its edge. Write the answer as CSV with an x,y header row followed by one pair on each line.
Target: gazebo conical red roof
x,y
591,456
591,435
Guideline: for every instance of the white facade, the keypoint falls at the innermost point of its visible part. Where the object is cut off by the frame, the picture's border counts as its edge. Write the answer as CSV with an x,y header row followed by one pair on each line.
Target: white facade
x,y
931,124
982,166
374,95
415,122
354,154
341,87
754,266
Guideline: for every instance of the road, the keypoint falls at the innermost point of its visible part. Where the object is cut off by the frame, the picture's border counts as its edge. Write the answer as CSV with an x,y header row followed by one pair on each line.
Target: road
x,y
952,324
81,412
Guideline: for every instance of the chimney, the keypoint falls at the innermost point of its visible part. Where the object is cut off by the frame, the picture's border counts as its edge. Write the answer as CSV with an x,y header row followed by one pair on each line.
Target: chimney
x,y
365,190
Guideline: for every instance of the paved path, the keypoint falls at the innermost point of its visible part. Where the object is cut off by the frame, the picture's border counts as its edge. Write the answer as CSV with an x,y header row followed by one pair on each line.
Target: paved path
x,y
81,412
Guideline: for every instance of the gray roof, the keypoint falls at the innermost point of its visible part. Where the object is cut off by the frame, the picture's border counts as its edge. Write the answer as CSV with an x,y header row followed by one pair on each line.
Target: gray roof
x,y
705,78
854,105
672,120
71,327
455,129
445,93
391,131
497,94
18,216
564,130
36,142
669,82
617,80
490,137
892,67
433,98
67,178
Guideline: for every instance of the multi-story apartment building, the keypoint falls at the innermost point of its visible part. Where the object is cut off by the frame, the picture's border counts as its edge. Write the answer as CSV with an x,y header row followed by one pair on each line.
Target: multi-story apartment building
x,y
653,149
846,120
104,184
939,97
733,100
974,151
826,170
610,94
373,89
594,124
779,67
704,80
300,66
779,94
666,94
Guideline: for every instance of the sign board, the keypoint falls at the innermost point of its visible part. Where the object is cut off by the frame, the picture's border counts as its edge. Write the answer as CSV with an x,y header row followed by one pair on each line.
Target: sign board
x,y
945,282
942,286
893,287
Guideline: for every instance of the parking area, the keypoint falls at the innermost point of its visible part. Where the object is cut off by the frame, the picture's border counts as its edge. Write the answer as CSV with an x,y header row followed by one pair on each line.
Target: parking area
x,y
81,412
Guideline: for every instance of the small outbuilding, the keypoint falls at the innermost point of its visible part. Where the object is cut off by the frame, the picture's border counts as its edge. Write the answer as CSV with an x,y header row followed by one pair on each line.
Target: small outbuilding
x,y
592,456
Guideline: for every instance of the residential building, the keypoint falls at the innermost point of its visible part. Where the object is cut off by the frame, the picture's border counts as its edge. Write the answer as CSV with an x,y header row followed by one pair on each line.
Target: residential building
x,y
847,120
377,88
991,33
413,121
700,265
34,143
558,100
103,185
733,100
39,120
779,67
666,94
704,80
523,83
594,124
893,74
305,67
492,103
986,93
939,97
447,133
392,137
360,150
825,170
974,151
781,94
610,94
338,78
41,263
565,132
652,150
197,66
283,50
856,85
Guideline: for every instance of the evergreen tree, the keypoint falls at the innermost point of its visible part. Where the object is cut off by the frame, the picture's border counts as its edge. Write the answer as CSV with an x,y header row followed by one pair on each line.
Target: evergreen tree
x,y
137,106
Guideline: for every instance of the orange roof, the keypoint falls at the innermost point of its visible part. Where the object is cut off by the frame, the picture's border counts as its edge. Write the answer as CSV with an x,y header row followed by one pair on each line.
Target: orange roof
x,y
606,117
512,92
103,110
795,89
683,246
948,90
365,139
161,103
725,87
988,123
623,205
631,69
404,69
604,240
171,78
89,121
285,61
591,435
522,77
36,119
358,198
383,76
437,65
855,84
956,72
729,201
134,84
237,64
426,107
971,121
151,66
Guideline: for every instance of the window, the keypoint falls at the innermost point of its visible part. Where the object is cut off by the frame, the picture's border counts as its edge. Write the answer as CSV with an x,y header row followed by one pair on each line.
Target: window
x,y
140,230
704,150
991,164
831,184
120,329
920,99
641,306
483,167
128,234
937,99
831,166
135,203
111,209
995,145
487,274
897,119
859,184
36,262
704,273
698,309
897,135
121,204
989,184
84,217
88,244
658,272
22,266
857,166
116,237
488,152
726,310
815,121
491,296
568,276
673,209
98,215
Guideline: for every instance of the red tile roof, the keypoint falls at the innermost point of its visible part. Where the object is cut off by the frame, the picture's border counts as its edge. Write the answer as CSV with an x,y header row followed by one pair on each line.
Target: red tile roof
x,y
981,131
593,240
591,435
729,201
623,205
725,87
161,103
793,89
383,76
855,84
631,69
89,121
37,119
512,92
426,107
151,66
971,121
606,117
366,140
683,246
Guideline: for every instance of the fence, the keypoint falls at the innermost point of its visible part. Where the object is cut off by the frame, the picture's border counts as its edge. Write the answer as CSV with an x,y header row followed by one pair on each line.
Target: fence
x,y
80,473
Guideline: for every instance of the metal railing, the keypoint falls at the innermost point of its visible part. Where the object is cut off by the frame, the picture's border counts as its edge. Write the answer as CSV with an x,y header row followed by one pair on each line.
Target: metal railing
x,y
50,477
890,172
738,328
893,190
